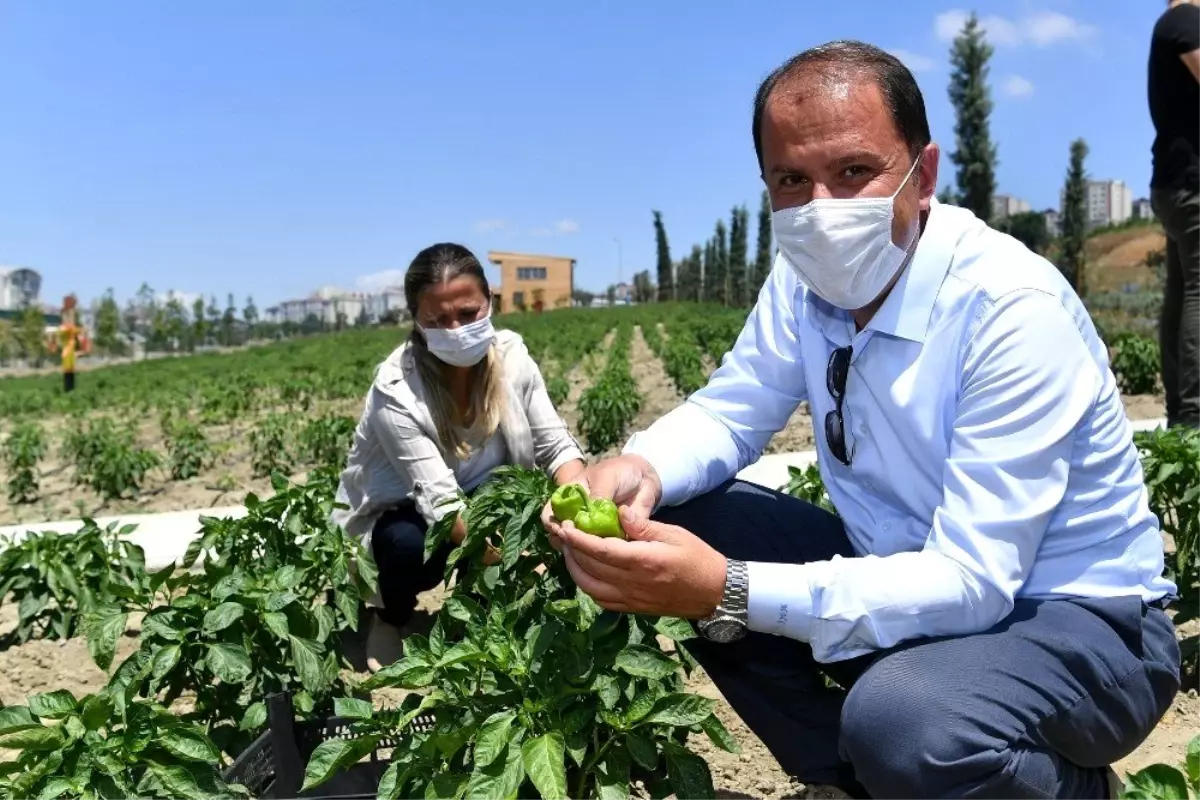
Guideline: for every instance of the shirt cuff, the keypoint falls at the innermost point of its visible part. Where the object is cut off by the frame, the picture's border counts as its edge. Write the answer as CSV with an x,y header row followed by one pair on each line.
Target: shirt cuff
x,y
569,453
672,471
780,600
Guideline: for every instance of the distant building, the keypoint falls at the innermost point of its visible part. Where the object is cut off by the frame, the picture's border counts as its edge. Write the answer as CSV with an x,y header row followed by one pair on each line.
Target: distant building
x,y
1108,203
1053,222
329,304
1142,209
1004,205
531,282
19,287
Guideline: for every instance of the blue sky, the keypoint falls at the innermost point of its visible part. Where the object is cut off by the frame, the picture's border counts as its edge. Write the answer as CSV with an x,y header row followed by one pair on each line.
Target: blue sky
x,y
272,147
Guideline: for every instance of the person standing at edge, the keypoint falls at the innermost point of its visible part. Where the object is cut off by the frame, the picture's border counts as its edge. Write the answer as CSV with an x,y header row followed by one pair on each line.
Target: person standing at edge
x,y
1173,80
992,596
446,408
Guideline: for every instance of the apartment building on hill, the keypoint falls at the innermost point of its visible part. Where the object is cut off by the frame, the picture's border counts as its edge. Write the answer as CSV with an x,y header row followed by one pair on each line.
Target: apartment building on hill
x,y
532,282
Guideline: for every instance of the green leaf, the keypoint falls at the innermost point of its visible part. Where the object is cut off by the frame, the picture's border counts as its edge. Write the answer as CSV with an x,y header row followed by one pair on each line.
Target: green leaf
x,y
97,709
688,772
333,755
157,624
103,627
190,745
223,616
1193,761
639,707
643,749
352,708
680,710
307,655
612,775
577,746
277,623
446,784
55,788
277,601
589,609
545,764
502,779
15,717
254,718
325,622
75,728
52,705
389,788
228,662
368,572
492,740
38,738
463,651
675,629
607,689
178,780
164,660
463,609
641,661
1161,782
719,734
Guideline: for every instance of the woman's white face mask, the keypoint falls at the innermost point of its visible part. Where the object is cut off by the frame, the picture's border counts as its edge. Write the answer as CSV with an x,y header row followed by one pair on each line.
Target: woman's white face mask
x,y
842,249
464,346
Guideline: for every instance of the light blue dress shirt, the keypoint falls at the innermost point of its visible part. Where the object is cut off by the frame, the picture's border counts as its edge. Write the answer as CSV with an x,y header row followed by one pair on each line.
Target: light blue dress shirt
x,y
991,455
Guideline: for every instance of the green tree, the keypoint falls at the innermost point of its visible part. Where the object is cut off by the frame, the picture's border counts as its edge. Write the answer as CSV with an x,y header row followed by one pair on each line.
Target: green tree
x,y
1073,221
739,235
199,326
108,326
946,195
643,289
8,342
688,283
31,333
228,319
975,155
1030,228
720,282
708,269
175,322
131,319
250,316
666,283
610,293
213,315
762,252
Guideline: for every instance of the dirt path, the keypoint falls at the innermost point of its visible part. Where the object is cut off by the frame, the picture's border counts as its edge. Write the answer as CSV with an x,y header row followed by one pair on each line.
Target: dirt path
x,y
658,391
580,378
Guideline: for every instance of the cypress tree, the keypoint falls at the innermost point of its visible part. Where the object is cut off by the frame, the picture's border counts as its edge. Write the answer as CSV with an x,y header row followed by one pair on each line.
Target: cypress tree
x,y
1074,220
720,279
975,155
738,247
762,253
666,282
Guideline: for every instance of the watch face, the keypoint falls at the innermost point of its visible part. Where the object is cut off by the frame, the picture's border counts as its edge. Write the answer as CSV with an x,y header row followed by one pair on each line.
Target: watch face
x,y
725,630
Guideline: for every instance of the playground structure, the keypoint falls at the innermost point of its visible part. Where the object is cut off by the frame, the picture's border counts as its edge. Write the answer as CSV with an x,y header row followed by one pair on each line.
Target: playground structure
x,y
69,339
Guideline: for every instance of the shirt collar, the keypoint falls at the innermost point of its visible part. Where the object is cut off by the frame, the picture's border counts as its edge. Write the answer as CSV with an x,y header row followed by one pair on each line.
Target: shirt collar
x,y
906,311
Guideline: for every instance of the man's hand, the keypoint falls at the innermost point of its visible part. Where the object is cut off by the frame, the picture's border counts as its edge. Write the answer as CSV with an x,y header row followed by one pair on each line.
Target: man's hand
x,y
626,480
660,569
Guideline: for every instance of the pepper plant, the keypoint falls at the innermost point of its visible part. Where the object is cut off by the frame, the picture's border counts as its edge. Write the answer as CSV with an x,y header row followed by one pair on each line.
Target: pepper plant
x,y
55,578
23,449
101,746
534,689
263,615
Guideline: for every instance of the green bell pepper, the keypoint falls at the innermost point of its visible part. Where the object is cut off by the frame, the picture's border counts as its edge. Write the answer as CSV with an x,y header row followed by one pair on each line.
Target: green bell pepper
x,y
567,501
600,519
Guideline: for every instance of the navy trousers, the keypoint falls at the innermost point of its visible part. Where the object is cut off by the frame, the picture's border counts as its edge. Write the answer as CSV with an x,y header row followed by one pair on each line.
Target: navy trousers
x,y
1037,706
398,545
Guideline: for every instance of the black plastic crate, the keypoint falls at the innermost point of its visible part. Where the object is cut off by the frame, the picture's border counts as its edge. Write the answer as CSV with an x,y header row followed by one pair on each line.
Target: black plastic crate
x,y
273,765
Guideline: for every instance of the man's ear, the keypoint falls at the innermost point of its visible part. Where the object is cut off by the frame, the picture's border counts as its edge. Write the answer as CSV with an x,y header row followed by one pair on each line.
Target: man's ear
x,y
928,170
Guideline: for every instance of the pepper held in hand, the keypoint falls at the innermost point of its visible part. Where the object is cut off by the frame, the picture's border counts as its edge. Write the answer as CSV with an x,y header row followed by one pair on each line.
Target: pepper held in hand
x,y
595,516
567,501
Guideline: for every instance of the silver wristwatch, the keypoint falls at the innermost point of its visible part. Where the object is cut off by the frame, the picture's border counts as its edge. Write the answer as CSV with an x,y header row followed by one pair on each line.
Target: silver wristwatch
x,y
727,623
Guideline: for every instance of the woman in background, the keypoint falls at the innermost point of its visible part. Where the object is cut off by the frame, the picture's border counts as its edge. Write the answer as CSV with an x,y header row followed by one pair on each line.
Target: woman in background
x,y
446,408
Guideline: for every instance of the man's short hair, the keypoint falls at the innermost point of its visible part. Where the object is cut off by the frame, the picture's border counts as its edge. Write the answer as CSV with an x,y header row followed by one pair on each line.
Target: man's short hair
x,y
896,83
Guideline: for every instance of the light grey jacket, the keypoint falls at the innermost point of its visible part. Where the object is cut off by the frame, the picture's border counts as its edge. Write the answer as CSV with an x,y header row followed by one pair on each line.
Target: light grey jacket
x,y
396,456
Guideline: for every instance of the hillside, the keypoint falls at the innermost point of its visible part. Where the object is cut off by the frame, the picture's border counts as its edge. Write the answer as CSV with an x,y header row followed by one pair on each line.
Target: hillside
x,y
1118,258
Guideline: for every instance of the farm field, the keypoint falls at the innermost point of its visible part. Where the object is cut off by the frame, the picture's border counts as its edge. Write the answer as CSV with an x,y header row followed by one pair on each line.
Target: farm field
x,y
201,431
195,432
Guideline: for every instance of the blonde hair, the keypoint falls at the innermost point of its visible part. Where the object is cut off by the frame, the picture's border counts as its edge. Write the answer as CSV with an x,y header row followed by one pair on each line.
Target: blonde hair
x,y
434,265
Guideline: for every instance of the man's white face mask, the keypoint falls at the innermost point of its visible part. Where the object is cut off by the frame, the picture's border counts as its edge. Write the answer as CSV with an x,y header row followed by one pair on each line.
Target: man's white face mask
x,y
842,249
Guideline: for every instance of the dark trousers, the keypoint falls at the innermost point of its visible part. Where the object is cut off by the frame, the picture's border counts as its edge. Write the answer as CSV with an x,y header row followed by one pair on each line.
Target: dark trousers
x,y
1037,706
398,545
1179,325
68,381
